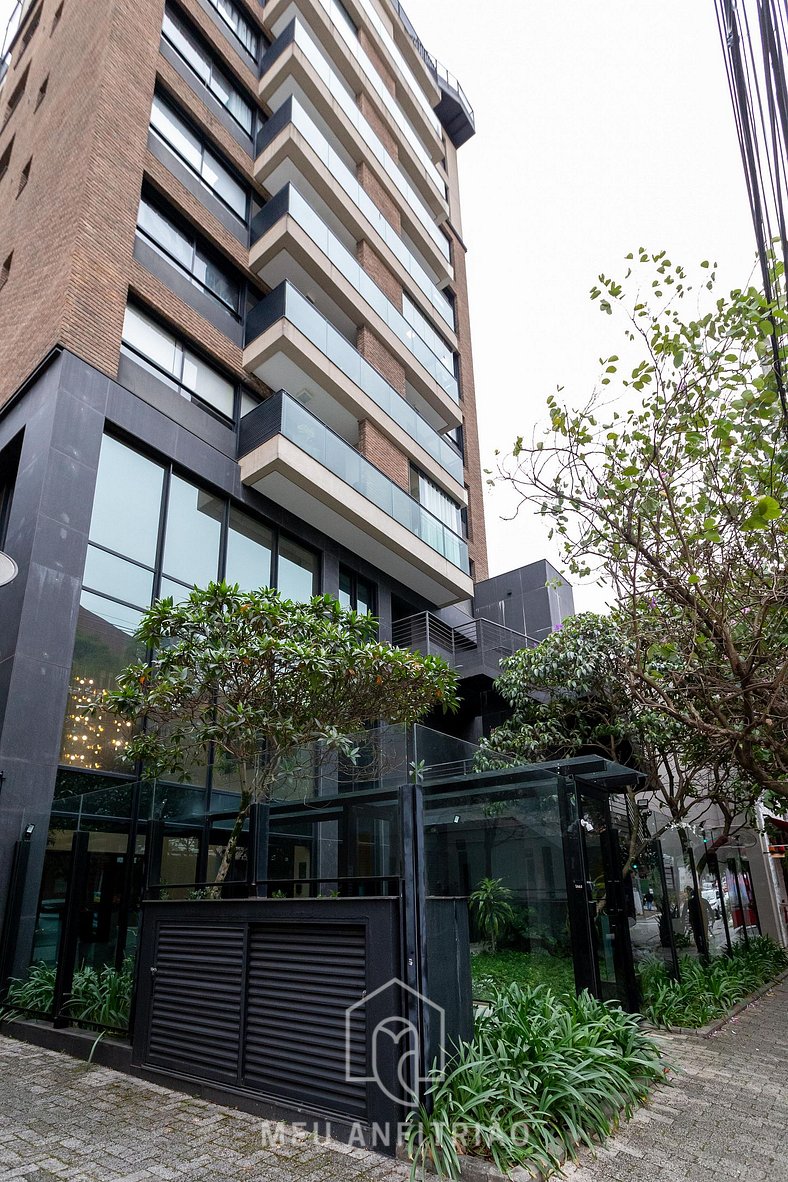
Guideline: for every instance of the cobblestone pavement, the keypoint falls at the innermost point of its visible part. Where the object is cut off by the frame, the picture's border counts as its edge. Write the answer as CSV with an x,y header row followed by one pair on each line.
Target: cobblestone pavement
x,y
725,1116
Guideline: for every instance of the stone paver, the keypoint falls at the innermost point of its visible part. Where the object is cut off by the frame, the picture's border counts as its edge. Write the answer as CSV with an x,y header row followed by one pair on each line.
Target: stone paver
x,y
724,1116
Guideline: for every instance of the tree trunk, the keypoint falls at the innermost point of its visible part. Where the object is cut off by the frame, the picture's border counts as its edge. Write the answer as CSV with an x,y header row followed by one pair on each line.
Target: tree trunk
x,y
230,849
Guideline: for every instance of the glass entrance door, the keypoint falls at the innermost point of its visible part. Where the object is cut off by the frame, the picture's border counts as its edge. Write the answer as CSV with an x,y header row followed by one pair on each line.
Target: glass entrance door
x,y
601,925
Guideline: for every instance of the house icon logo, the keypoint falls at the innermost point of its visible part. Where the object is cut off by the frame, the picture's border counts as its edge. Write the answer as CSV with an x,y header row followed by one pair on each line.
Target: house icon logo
x,y
395,1056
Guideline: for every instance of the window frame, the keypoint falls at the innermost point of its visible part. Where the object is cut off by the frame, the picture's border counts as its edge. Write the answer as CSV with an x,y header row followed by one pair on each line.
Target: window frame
x,y
199,251
215,67
242,17
205,149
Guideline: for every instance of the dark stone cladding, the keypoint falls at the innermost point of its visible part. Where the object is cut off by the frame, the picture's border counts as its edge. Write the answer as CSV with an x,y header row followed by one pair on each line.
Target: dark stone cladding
x,y
63,411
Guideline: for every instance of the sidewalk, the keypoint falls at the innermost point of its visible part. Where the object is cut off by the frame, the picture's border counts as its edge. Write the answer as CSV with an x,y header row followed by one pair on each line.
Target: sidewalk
x,y
726,1116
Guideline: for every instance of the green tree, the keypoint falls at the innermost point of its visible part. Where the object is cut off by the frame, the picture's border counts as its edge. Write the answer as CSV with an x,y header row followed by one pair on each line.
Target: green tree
x,y
672,484
257,678
491,907
570,695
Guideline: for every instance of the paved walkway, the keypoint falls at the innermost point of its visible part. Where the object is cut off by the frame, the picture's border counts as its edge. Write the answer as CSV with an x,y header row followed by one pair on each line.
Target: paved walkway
x,y
726,1116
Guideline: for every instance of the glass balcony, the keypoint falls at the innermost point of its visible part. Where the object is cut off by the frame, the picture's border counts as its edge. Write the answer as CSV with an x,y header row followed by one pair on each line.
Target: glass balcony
x,y
440,367
291,112
297,34
286,302
282,415
343,31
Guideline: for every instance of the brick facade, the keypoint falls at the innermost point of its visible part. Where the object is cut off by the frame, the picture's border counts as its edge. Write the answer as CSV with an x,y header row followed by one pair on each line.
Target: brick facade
x,y
377,354
377,270
380,451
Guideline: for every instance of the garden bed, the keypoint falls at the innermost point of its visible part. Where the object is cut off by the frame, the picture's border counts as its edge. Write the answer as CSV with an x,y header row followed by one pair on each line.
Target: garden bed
x,y
707,994
542,1076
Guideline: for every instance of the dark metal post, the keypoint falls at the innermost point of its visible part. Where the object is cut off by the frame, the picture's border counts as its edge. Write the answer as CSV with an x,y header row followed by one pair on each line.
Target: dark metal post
x,y
698,928
715,865
154,848
576,874
414,925
69,932
13,907
257,856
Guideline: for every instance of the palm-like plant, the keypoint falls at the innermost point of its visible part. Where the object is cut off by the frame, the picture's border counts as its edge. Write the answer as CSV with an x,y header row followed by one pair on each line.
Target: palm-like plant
x,y
491,907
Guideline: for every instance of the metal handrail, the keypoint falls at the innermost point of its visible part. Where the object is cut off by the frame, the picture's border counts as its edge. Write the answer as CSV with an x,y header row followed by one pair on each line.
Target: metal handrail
x,y
458,643
432,63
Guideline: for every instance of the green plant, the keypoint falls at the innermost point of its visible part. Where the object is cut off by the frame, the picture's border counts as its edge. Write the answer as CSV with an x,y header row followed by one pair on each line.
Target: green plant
x,y
541,1076
491,908
708,991
493,971
34,994
99,997
258,678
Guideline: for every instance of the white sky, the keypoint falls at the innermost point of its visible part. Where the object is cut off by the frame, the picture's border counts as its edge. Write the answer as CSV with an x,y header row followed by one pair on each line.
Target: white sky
x,y
601,125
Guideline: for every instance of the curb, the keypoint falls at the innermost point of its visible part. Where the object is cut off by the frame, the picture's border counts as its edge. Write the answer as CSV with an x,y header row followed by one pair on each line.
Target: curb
x,y
478,1169
718,1023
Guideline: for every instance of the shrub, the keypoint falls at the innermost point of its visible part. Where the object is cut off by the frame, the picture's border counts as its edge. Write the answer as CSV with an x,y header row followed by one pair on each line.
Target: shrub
x,y
99,997
494,970
491,907
540,1076
708,991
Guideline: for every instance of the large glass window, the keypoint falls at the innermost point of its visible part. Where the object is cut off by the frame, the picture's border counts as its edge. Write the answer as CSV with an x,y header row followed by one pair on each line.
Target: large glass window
x,y
239,25
193,533
178,136
186,373
127,502
436,501
431,337
249,549
356,593
297,576
198,57
182,247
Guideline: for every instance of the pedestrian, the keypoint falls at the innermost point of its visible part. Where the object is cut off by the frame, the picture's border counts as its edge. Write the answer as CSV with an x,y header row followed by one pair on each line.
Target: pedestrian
x,y
649,899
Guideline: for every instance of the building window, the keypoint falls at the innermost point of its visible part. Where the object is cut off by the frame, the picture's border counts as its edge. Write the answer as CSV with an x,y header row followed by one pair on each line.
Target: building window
x,y
42,92
25,177
356,593
238,25
297,571
154,533
16,95
146,342
5,270
193,51
35,21
431,337
5,160
436,501
181,246
178,136
9,466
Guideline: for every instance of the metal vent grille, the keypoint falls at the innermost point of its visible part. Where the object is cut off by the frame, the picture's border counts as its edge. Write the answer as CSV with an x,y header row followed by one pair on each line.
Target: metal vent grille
x,y
301,982
196,1005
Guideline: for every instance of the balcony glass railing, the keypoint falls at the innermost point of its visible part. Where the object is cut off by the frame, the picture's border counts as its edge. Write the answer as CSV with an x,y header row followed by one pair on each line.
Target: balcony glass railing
x,y
296,33
286,302
292,112
307,432
343,30
440,367
411,199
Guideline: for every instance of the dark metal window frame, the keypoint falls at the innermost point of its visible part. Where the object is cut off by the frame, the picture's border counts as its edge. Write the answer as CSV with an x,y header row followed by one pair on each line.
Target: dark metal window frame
x,y
175,12
354,576
243,16
157,370
199,250
199,133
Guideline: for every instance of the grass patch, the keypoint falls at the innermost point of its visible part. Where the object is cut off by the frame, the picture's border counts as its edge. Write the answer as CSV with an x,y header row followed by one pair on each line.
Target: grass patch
x,y
542,1075
492,971
708,991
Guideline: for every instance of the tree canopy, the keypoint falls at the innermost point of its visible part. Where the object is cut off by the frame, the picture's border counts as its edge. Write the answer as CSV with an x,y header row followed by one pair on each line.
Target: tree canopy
x,y
257,677
672,484
572,695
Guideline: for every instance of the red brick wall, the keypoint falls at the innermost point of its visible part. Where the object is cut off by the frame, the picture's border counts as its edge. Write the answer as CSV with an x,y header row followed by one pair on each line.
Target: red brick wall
x,y
381,452
379,272
378,355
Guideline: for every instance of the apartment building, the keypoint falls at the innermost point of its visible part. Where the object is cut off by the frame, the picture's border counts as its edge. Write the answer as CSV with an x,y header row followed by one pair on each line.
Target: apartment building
x,y
234,342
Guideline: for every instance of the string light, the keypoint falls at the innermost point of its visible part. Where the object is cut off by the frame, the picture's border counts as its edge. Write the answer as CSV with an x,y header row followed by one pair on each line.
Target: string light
x,y
91,741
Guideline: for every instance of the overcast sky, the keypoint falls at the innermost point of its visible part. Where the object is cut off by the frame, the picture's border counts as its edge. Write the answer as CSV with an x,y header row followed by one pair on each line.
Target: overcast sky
x,y
602,125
